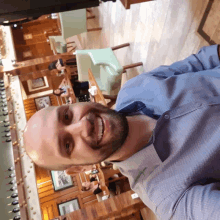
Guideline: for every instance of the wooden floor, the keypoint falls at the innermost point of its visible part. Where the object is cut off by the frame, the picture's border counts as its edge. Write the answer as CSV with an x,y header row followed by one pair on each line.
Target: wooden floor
x,y
160,32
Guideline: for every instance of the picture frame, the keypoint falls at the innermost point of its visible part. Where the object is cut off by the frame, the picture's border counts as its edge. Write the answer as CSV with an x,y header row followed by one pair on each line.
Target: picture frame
x,y
27,54
69,206
28,36
42,102
37,84
61,180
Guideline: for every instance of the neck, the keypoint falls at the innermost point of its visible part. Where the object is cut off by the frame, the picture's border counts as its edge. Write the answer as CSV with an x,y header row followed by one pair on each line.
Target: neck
x,y
140,131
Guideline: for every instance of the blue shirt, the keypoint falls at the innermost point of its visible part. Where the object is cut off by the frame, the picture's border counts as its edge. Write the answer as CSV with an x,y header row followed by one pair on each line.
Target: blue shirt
x,y
177,174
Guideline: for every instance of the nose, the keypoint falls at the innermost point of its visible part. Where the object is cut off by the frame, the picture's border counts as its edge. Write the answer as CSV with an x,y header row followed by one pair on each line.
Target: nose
x,y
84,128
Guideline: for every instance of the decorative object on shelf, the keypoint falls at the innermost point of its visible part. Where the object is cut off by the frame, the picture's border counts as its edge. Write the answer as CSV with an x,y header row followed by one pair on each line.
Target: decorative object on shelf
x,y
7,140
14,210
7,135
37,84
42,102
11,182
13,195
28,36
27,54
61,180
10,168
7,130
10,176
94,171
4,109
4,105
4,114
12,188
17,217
67,207
15,202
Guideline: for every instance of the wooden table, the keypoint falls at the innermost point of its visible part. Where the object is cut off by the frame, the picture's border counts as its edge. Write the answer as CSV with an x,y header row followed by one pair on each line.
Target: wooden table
x,y
99,98
121,205
127,3
72,94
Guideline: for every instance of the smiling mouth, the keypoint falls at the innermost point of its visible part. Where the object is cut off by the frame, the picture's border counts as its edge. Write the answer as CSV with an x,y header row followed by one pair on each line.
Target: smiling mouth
x,y
98,126
100,129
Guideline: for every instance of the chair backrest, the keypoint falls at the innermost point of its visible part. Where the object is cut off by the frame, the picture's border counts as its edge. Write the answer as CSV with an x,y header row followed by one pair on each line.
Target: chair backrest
x,y
84,62
73,22
60,44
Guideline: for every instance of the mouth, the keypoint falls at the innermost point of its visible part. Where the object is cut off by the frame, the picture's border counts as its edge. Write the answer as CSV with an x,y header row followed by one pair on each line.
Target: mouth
x,y
100,129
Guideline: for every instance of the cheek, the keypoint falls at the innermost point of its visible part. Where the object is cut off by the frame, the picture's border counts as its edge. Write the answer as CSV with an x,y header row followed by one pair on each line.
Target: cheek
x,y
83,153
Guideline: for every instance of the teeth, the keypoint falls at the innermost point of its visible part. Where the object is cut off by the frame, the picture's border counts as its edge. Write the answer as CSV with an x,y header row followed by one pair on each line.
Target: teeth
x,y
100,134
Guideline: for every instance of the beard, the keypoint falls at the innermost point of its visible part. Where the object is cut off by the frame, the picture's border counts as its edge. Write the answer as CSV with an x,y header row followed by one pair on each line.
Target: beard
x,y
119,129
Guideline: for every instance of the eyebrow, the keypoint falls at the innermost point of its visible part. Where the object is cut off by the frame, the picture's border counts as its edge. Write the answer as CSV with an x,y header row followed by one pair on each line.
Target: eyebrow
x,y
59,141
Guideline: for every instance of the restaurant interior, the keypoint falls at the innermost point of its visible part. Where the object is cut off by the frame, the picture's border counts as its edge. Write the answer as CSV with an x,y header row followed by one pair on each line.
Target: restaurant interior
x,y
94,51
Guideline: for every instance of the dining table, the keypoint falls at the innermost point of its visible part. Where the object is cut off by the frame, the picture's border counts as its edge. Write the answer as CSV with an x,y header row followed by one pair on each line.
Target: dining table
x,y
70,89
98,96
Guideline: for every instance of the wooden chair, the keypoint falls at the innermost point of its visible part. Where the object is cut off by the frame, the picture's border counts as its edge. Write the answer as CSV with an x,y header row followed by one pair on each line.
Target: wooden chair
x,y
58,45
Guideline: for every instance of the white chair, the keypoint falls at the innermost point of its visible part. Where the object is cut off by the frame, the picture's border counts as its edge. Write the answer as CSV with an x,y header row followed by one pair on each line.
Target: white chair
x,y
74,22
105,67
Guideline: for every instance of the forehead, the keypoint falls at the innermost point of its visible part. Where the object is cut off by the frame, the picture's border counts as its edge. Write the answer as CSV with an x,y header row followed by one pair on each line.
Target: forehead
x,y
41,136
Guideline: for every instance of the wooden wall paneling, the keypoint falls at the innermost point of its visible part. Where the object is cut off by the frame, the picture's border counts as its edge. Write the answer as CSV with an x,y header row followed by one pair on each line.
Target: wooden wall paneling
x,y
89,203
32,38
46,193
50,212
53,100
18,36
30,106
89,198
45,213
43,182
65,198
40,26
46,188
73,190
24,66
55,209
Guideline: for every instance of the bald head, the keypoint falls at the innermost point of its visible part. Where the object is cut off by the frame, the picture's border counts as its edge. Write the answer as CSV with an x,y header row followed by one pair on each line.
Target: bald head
x,y
36,138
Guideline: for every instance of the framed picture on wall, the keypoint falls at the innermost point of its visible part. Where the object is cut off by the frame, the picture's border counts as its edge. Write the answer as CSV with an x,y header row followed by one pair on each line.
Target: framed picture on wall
x,y
28,36
42,102
69,206
27,54
61,180
37,84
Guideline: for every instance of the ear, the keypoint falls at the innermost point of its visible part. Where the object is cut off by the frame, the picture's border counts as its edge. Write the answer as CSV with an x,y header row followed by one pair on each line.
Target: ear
x,y
77,169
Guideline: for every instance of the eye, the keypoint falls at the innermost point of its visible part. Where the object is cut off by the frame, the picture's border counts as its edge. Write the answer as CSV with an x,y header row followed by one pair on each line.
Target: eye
x,y
65,114
67,145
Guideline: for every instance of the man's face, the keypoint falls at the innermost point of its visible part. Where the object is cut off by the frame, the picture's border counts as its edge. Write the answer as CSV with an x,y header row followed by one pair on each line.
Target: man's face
x,y
78,134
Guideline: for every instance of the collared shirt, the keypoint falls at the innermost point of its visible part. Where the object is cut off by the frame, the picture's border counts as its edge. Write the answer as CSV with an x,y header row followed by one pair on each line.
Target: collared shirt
x,y
177,175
